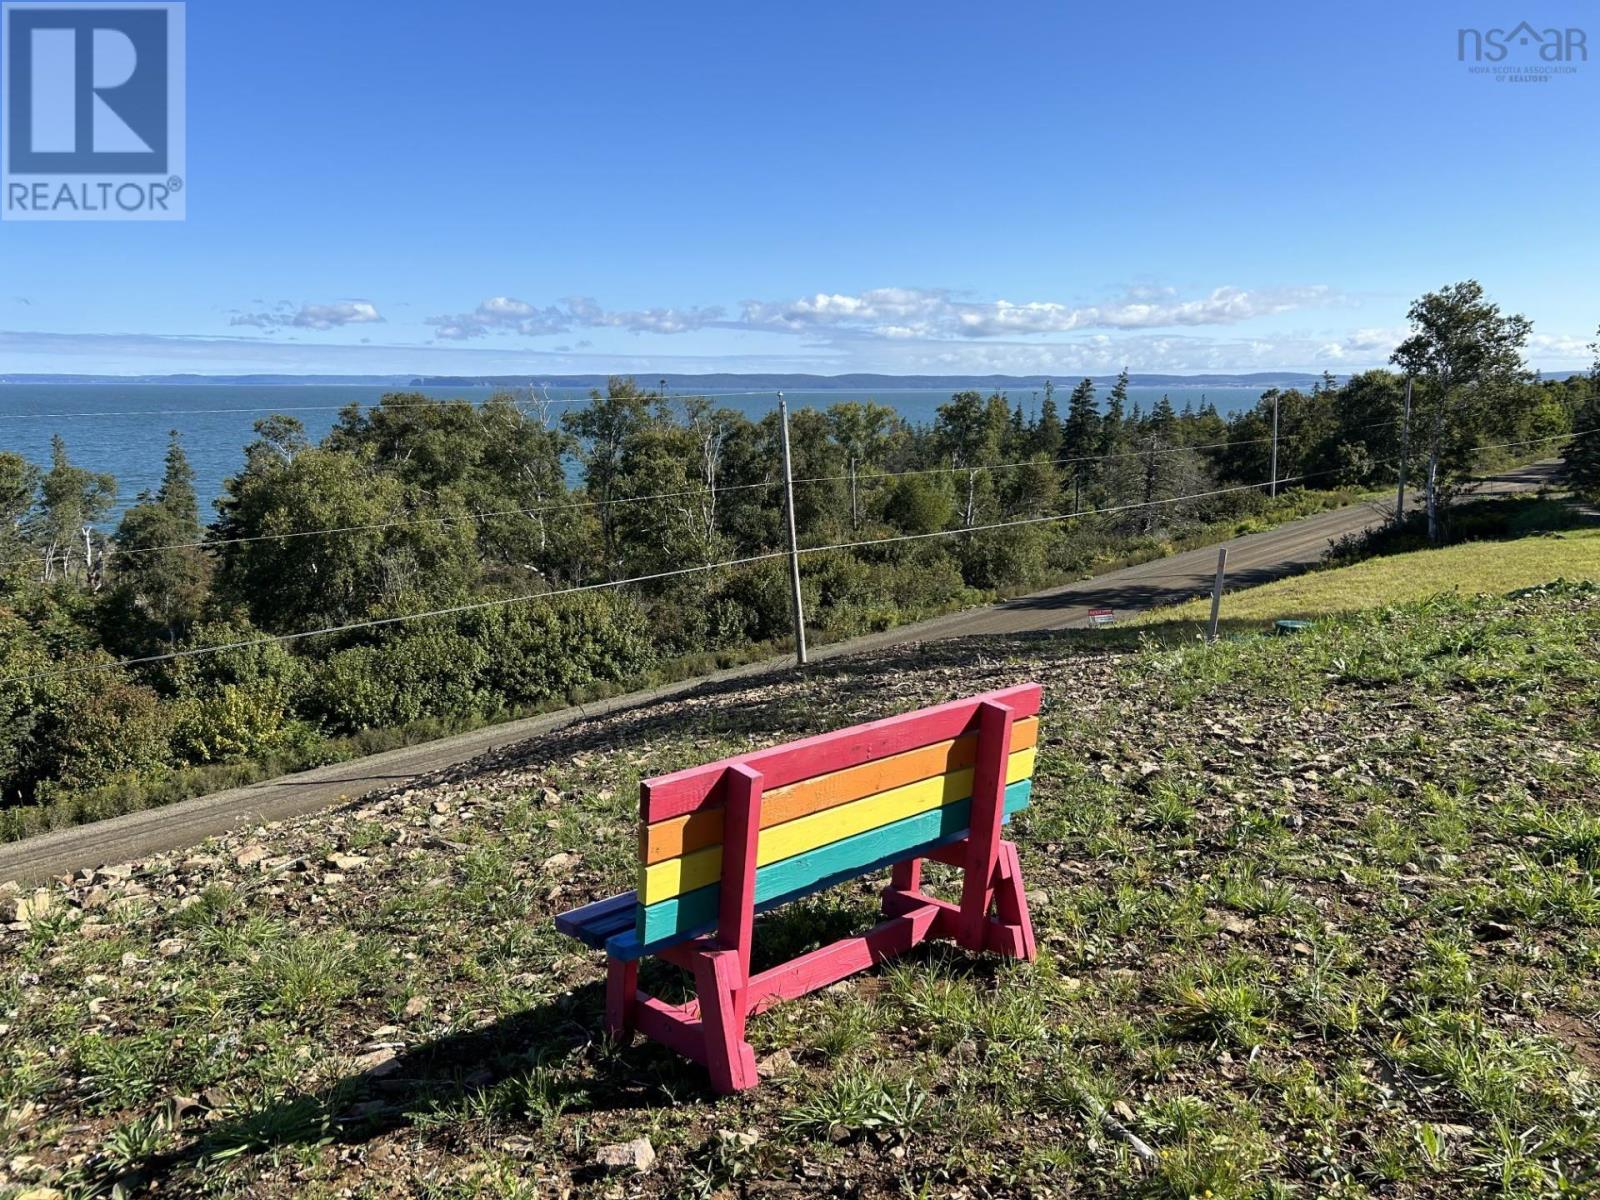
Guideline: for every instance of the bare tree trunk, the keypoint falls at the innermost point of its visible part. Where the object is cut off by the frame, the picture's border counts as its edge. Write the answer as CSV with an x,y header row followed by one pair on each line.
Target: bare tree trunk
x,y
1435,450
1433,497
855,507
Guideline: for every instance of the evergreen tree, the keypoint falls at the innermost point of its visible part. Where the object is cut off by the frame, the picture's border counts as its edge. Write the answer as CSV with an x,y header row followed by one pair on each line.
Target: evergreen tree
x,y
1082,438
1111,429
162,571
1048,434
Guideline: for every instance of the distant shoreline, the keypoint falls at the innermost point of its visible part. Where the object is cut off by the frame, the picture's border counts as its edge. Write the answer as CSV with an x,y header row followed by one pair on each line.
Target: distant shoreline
x,y
676,383
690,384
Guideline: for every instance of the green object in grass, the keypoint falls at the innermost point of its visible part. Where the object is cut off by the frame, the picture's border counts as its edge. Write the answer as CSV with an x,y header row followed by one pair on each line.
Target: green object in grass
x,y
1286,627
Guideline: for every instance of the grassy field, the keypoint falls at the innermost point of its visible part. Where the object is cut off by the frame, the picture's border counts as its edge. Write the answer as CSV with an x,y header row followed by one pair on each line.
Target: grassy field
x,y
1318,916
1494,567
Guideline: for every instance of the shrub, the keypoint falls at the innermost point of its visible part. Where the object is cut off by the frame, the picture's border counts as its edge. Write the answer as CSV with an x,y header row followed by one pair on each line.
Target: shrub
x,y
234,721
92,726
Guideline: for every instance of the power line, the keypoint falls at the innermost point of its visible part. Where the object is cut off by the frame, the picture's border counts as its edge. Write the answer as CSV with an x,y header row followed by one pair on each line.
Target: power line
x,y
403,522
501,602
454,610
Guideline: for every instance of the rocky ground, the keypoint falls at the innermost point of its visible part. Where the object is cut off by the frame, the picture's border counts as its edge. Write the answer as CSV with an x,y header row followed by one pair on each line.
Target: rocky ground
x,y
1318,916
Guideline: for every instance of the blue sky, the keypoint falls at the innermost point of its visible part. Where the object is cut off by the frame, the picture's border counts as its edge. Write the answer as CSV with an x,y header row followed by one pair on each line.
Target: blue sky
x,y
942,187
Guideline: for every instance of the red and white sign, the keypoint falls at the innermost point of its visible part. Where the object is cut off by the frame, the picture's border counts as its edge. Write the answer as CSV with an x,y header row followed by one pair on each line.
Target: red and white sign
x,y
1101,616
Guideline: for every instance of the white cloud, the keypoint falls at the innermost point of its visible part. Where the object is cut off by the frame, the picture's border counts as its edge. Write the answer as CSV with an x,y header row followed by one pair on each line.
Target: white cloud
x,y
1363,345
503,314
311,316
890,313
935,312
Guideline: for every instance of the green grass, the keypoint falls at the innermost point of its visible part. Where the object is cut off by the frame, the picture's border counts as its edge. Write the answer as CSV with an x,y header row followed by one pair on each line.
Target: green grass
x,y
1318,916
1468,569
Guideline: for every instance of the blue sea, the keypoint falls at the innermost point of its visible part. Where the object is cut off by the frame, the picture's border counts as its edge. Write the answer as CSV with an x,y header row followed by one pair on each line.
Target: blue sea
x,y
122,428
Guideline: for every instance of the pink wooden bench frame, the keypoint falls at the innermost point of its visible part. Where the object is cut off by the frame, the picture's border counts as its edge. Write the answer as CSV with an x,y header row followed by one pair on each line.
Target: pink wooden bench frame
x,y
710,1029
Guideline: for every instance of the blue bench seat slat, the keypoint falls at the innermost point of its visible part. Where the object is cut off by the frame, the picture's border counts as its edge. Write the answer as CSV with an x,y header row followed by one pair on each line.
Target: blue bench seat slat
x,y
594,923
693,913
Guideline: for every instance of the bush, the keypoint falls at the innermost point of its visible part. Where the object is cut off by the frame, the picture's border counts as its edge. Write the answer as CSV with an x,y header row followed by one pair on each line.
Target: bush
x,y
92,726
488,661
235,721
1004,559
544,650
425,672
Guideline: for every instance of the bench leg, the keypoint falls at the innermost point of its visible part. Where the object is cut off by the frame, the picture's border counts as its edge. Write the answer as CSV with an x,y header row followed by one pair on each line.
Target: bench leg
x,y
622,998
988,812
720,983
1011,902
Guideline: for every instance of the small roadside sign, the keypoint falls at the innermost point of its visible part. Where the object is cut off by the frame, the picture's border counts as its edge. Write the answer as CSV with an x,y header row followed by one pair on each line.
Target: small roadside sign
x,y
1102,616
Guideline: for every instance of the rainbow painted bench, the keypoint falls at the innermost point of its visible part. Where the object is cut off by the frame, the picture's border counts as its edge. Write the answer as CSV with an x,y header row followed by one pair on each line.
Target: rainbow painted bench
x,y
720,843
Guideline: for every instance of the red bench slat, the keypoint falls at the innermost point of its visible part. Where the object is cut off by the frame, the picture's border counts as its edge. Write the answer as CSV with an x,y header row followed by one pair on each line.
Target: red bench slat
x,y
700,787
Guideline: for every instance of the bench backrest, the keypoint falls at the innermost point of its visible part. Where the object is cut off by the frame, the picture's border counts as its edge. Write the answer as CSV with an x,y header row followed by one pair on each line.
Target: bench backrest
x,y
833,807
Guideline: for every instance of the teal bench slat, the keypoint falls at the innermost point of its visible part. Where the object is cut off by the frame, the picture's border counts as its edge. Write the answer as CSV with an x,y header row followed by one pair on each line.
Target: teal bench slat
x,y
693,913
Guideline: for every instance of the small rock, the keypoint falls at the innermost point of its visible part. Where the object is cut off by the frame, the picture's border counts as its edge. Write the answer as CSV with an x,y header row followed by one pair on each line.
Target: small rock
x,y
377,1063
332,879
250,855
346,862
96,898
638,1155
415,1007
1227,921
1039,898
779,1062
170,947
25,910
40,1193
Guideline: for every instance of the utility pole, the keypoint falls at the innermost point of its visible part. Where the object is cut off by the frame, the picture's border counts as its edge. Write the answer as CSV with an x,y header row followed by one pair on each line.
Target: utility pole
x,y
1274,443
1216,593
794,545
1405,455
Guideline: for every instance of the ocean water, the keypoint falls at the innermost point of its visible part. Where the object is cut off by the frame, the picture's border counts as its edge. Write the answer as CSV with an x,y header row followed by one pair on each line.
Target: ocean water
x,y
122,428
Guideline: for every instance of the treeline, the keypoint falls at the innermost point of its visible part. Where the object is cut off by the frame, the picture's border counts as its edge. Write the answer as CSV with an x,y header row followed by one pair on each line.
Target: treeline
x,y
415,506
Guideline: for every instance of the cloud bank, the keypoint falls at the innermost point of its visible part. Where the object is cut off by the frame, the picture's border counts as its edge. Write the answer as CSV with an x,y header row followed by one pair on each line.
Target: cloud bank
x,y
890,313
